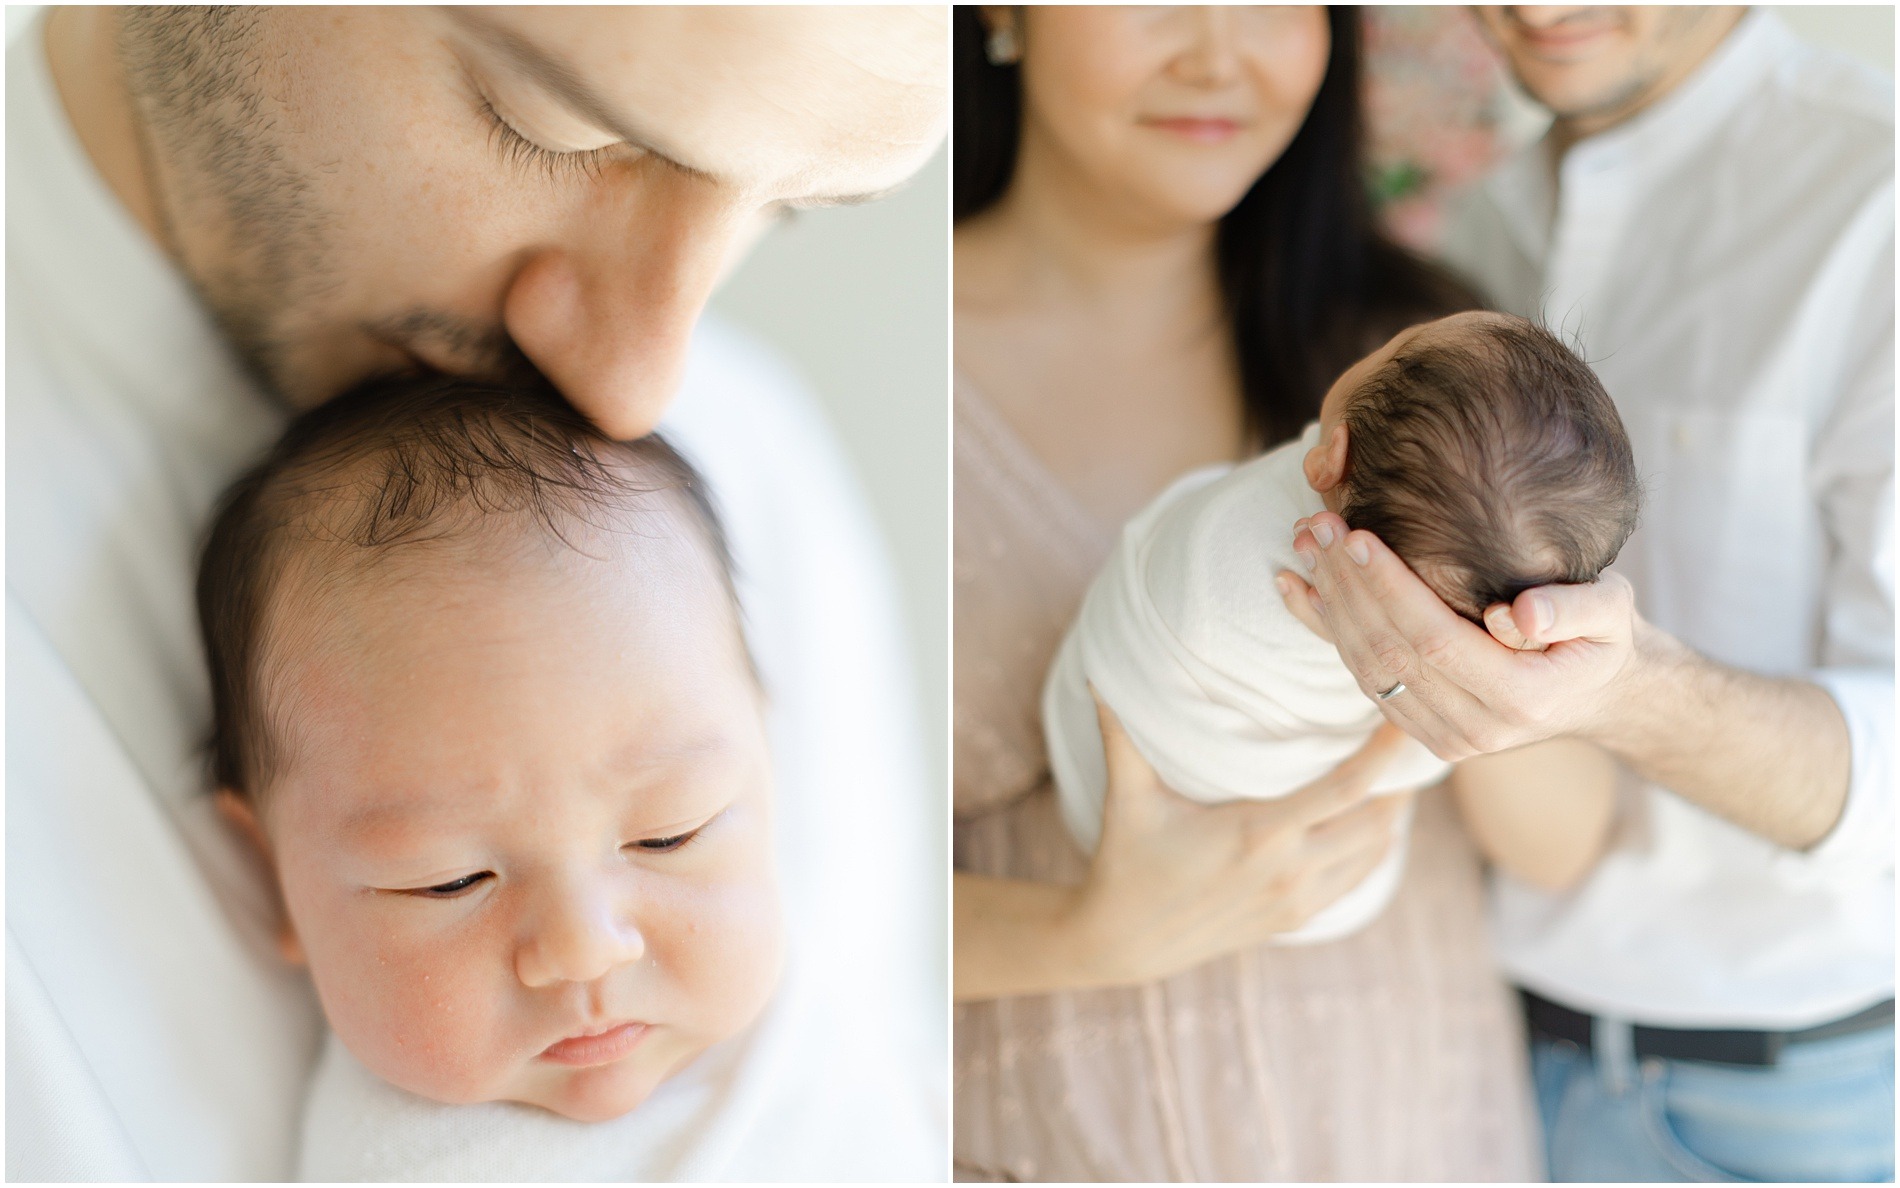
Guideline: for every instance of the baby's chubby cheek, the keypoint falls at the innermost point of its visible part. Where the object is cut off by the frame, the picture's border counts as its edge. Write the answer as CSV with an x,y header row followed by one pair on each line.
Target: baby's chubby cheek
x,y
725,954
429,1014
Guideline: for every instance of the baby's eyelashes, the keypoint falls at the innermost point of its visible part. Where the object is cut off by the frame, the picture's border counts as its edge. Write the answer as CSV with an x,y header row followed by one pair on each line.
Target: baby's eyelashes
x,y
660,845
454,888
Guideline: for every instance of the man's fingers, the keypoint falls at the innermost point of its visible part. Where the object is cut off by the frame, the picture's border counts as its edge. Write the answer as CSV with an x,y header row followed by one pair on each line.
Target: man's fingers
x,y
1370,596
1503,628
1298,598
1599,610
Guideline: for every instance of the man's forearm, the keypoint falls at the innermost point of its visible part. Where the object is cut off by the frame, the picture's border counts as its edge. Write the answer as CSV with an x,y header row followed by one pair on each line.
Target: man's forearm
x,y
1771,754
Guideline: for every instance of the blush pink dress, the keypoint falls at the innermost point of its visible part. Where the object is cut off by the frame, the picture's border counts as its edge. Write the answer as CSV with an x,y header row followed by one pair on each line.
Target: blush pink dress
x,y
1394,1054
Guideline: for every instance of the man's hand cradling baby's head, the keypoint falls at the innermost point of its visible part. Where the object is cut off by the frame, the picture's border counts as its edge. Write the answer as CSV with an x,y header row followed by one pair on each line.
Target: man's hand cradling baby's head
x,y
1484,453
482,697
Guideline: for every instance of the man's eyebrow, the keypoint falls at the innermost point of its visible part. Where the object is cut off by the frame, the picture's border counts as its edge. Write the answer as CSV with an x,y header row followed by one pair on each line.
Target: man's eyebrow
x,y
565,83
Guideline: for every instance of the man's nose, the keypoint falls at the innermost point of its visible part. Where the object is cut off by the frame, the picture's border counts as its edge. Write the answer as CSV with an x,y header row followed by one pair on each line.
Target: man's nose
x,y
608,313
578,934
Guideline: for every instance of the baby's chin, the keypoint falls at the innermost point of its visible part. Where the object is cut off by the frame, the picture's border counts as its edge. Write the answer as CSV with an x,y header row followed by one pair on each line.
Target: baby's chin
x,y
608,1091
594,1096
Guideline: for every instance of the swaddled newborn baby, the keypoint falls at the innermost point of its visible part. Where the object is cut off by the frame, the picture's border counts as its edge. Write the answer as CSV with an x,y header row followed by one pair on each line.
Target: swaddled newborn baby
x,y
1478,447
483,701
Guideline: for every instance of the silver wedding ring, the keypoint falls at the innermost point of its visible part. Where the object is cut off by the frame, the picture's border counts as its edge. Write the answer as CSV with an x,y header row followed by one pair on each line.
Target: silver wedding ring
x,y
1394,691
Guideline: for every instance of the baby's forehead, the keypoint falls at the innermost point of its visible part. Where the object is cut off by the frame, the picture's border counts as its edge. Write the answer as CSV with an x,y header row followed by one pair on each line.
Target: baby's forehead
x,y
429,698
501,583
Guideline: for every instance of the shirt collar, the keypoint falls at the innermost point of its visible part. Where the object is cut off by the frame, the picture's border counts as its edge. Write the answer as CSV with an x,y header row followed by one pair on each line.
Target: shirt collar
x,y
1524,190
1692,112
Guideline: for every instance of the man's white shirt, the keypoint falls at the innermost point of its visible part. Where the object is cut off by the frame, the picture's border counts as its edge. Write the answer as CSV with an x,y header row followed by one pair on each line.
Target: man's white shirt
x,y
150,1032
1725,262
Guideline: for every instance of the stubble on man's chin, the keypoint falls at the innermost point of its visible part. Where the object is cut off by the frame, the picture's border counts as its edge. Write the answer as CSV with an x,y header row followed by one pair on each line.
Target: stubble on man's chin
x,y
1609,109
241,218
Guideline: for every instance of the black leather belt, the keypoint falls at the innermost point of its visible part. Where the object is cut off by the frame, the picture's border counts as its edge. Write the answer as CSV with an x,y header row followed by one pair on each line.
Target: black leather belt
x,y
1550,1020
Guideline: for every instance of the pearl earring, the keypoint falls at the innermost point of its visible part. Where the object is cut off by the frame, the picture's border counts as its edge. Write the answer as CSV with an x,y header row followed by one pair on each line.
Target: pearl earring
x,y
1002,48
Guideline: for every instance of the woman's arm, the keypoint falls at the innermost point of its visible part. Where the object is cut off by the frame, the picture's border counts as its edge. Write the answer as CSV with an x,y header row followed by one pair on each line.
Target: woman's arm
x,y
1540,813
1175,883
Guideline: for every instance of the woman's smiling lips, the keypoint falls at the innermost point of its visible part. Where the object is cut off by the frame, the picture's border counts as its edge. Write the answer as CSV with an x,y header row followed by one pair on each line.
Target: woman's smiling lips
x,y
1200,129
601,1047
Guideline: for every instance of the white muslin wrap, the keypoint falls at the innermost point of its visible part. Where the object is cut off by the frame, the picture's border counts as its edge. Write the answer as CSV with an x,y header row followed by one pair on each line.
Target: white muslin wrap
x,y
1230,697
802,1096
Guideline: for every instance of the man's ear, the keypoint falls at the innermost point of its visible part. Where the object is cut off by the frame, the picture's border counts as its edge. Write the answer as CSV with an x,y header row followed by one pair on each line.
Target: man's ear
x,y
238,813
1325,464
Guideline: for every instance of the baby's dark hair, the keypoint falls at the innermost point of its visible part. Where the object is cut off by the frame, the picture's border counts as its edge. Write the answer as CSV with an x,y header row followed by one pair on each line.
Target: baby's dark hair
x,y
399,466
1489,457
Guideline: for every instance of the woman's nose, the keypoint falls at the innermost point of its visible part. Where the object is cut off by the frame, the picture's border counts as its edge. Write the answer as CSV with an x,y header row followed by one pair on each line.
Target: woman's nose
x,y
608,315
579,935
1209,58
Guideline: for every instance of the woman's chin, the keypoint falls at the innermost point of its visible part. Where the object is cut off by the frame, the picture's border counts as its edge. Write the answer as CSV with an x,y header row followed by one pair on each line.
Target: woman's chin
x,y
1192,201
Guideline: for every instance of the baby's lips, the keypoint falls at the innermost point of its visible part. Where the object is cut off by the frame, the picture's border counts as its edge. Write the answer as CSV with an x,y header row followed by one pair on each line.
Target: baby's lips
x,y
603,1047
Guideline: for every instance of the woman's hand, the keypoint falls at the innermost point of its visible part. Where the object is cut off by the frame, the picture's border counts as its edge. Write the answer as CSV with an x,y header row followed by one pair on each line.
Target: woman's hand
x,y
1176,883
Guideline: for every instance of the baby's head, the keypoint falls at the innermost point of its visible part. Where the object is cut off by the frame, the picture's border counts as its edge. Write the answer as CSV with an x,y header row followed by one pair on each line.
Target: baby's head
x,y
1485,453
482,698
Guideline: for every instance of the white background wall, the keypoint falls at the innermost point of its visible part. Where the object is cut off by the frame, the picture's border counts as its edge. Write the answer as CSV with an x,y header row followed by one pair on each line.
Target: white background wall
x,y
1864,30
857,298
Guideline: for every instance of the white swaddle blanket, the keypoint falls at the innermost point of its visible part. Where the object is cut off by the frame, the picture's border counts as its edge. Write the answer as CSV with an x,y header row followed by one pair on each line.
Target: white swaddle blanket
x,y
1220,688
802,1096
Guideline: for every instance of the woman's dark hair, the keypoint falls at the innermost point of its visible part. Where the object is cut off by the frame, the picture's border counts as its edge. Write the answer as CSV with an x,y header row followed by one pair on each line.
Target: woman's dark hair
x,y
1309,281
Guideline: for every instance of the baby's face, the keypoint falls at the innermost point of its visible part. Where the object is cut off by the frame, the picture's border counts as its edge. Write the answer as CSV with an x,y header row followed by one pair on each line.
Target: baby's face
x,y
523,822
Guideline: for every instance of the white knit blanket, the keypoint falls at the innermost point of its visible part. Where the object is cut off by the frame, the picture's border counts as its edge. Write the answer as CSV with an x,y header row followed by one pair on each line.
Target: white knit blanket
x,y
1230,697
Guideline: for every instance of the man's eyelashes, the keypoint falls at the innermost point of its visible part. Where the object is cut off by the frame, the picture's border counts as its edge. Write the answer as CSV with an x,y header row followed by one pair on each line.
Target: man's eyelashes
x,y
517,149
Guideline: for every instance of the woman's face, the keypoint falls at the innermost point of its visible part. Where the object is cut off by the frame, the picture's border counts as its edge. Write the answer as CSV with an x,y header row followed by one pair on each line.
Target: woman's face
x,y
1169,112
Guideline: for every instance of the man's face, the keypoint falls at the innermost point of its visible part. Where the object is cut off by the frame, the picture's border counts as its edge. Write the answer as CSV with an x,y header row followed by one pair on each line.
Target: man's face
x,y
1595,66
358,191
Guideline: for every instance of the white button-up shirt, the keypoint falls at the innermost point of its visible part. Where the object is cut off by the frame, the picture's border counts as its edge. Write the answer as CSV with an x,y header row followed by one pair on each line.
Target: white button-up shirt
x,y
151,1033
1725,262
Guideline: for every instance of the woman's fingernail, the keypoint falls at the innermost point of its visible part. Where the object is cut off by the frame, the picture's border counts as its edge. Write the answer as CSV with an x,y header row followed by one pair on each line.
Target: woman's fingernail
x,y
1307,559
1283,586
1323,533
1357,550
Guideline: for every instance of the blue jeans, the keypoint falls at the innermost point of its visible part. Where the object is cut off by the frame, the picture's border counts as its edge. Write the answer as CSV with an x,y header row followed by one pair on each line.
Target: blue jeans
x,y
1823,1112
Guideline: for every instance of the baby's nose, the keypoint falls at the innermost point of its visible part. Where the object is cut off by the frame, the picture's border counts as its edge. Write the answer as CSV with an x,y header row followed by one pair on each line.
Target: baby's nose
x,y
578,939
